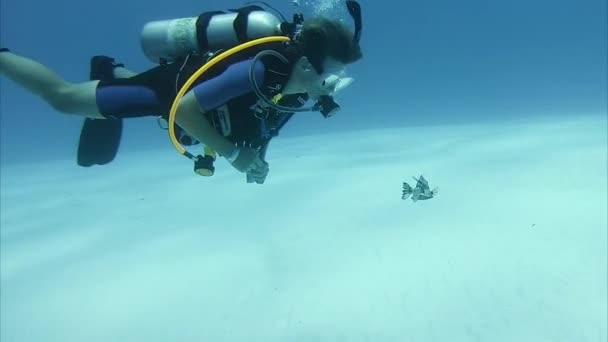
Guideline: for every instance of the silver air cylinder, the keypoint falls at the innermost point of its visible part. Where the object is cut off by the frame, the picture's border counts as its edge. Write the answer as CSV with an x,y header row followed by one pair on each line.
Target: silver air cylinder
x,y
170,39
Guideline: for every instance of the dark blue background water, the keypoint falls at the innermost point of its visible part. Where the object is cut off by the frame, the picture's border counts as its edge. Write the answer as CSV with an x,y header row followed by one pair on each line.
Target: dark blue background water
x,y
426,62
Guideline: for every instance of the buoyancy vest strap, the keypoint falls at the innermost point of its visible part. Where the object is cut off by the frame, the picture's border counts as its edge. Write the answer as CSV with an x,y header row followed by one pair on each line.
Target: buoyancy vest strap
x,y
202,23
241,21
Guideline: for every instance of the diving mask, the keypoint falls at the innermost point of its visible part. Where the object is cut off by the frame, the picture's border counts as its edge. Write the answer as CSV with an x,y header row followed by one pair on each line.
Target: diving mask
x,y
329,82
334,83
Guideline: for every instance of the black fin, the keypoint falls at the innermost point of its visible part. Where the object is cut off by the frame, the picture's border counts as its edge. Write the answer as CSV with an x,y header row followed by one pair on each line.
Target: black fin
x,y
99,138
99,141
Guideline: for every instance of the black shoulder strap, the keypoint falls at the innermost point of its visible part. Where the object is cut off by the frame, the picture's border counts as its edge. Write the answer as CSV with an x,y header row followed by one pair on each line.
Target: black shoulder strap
x,y
241,21
202,23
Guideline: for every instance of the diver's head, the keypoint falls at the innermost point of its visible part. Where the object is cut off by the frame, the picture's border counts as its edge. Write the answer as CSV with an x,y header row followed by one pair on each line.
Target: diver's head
x,y
322,38
326,47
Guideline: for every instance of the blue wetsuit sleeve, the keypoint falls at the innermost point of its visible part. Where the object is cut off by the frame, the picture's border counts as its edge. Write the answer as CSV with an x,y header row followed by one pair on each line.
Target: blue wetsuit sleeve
x,y
233,82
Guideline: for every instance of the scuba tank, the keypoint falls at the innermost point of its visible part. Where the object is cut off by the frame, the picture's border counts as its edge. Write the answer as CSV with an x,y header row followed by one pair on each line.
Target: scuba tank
x,y
167,40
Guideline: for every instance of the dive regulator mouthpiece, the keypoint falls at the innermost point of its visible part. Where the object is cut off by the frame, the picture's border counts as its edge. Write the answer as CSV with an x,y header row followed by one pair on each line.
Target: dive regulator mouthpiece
x,y
327,106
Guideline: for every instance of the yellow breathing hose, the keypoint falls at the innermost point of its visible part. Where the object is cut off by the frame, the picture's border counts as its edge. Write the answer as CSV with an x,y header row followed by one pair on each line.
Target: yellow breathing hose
x,y
201,71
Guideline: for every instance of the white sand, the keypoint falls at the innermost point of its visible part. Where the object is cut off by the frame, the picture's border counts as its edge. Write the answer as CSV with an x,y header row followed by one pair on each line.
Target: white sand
x,y
514,248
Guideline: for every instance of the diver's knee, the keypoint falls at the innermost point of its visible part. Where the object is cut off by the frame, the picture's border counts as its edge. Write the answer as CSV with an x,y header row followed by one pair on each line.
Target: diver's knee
x,y
62,98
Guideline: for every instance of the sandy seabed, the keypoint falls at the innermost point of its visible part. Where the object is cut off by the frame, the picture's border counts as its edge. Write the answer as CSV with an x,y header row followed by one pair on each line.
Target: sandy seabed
x,y
514,247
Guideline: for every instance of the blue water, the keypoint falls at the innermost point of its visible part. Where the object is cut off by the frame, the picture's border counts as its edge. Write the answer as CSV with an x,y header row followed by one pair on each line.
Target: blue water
x,y
425,62
326,251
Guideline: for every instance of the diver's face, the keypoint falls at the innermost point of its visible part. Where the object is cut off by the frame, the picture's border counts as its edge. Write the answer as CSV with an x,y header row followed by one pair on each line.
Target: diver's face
x,y
305,79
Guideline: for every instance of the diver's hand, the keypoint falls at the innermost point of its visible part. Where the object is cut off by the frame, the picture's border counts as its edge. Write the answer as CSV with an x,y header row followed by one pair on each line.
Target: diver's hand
x,y
247,160
258,175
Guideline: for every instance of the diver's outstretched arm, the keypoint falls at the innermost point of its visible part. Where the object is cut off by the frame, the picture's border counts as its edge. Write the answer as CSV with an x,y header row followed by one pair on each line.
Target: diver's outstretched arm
x,y
65,97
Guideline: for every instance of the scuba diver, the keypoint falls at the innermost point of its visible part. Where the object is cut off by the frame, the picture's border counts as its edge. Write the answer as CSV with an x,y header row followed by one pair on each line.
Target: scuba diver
x,y
227,80
421,192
